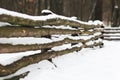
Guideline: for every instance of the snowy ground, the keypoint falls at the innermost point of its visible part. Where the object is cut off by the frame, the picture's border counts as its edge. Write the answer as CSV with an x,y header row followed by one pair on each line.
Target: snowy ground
x,y
87,64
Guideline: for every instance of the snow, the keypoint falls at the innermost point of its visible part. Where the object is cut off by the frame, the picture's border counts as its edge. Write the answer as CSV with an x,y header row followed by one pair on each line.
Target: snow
x,y
3,24
32,40
87,64
50,16
25,40
96,22
47,11
59,27
10,58
12,13
116,6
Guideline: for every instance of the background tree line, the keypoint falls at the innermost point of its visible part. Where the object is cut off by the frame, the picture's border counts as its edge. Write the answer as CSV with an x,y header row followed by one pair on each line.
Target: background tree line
x,y
104,10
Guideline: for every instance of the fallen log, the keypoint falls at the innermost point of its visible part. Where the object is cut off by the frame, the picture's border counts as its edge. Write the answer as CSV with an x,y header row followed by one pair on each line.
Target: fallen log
x,y
57,21
12,31
27,60
9,48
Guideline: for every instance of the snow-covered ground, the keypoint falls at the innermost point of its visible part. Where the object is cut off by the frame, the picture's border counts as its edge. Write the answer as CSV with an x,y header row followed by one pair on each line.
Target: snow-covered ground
x,y
87,64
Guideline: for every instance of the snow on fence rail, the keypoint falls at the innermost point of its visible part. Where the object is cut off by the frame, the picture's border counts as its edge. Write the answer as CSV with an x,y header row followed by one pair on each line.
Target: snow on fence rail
x,y
111,33
80,32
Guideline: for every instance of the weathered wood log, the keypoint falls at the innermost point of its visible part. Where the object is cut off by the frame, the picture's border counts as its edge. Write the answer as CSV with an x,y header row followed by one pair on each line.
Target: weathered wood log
x,y
112,39
33,32
88,32
111,35
27,60
12,31
17,77
9,48
94,38
111,28
111,32
57,21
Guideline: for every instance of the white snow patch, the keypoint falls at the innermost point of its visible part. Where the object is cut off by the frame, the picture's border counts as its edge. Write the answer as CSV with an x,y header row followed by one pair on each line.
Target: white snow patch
x,y
96,22
46,11
87,64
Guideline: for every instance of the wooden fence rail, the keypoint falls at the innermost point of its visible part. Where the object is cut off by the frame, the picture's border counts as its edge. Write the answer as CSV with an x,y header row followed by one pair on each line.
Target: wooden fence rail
x,y
27,28
111,33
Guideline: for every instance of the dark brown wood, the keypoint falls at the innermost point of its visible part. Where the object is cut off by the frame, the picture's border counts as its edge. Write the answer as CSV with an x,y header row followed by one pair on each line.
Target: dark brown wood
x,y
98,10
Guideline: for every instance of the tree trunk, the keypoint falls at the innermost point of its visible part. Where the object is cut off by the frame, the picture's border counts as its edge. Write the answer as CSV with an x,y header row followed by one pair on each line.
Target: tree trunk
x,y
98,10
116,14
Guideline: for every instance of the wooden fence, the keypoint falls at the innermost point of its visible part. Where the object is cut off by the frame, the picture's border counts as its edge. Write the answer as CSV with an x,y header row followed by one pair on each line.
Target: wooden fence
x,y
111,33
27,28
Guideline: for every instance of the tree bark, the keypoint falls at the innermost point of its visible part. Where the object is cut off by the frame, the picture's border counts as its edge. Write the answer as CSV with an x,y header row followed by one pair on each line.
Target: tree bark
x,y
25,61
98,10
12,31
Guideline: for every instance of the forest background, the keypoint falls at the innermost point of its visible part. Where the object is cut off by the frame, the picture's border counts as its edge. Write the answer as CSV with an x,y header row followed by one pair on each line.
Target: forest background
x,y
107,11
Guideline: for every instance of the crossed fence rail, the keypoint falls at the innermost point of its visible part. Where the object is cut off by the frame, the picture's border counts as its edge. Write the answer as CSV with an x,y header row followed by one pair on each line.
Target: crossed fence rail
x,y
27,28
